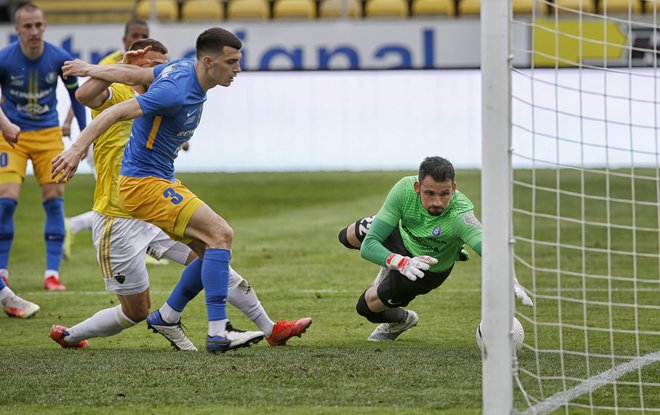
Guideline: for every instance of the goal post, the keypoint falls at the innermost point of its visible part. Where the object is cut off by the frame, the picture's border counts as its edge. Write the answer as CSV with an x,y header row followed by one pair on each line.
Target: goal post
x,y
496,297
571,205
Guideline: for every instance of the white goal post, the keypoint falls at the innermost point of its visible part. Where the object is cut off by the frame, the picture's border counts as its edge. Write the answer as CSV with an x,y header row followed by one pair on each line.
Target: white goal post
x,y
571,205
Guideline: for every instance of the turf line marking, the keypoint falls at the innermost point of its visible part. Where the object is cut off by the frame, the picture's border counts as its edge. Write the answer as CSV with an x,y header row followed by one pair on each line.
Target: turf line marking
x,y
593,383
333,291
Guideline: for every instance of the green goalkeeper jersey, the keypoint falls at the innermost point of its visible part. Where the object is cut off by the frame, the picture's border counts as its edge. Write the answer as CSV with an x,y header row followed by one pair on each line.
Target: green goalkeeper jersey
x,y
441,237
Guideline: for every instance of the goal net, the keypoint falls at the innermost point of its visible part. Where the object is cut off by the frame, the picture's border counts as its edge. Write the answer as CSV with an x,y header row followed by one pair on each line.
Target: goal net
x,y
585,203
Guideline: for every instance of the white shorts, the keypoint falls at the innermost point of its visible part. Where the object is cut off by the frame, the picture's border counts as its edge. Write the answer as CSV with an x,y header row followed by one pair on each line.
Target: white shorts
x,y
121,244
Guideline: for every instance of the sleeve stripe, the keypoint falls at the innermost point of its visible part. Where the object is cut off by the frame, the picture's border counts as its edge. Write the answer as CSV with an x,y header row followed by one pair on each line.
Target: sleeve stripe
x,y
154,131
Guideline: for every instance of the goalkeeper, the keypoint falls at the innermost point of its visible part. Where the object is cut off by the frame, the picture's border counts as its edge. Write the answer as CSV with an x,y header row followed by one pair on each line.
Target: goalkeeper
x,y
416,236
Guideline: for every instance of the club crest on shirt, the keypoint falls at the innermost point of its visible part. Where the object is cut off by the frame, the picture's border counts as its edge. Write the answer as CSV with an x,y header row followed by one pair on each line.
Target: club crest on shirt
x,y
51,77
167,70
436,232
470,219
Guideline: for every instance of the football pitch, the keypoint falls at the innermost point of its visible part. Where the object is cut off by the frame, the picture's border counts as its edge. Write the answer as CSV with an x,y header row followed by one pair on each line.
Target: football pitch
x,y
286,246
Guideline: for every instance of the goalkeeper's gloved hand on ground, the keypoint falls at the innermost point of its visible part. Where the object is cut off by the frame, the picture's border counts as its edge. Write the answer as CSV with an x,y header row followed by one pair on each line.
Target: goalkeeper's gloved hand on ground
x,y
412,268
463,255
520,293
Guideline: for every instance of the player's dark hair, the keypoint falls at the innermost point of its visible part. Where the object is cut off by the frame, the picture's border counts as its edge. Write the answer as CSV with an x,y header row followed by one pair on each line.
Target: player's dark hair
x,y
27,6
212,41
135,22
438,168
156,46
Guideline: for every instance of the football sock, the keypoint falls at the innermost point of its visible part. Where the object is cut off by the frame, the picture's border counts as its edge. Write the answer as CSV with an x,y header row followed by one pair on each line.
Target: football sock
x,y
53,232
104,323
394,315
189,285
51,273
4,291
242,296
7,208
215,278
168,314
81,222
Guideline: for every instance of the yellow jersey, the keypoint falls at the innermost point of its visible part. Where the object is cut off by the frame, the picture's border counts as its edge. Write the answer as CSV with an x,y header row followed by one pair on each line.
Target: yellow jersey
x,y
108,154
115,57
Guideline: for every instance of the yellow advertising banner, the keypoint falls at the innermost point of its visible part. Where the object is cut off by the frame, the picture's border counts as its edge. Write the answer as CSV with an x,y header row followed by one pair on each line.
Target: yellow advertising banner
x,y
573,43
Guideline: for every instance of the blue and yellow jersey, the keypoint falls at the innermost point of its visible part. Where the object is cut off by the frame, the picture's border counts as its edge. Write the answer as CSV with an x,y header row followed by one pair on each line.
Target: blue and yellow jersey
x,y
29,87
172,110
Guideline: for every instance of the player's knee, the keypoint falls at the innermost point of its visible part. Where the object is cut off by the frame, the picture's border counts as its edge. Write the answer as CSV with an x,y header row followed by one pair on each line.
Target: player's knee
x,y
221,236
363,309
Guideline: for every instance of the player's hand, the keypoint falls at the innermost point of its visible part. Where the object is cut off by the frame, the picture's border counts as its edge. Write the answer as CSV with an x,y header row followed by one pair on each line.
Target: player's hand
x,y
136,57
65,164
463,255
75,67
412,268
520,293
10,132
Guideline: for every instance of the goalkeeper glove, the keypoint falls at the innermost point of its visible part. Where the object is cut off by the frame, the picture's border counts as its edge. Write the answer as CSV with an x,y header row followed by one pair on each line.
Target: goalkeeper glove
x,y
520,293
463,255
411,268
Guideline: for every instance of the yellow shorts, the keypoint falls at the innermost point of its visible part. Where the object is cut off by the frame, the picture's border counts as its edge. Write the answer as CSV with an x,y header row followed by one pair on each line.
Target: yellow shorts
x,y
160,202
40,146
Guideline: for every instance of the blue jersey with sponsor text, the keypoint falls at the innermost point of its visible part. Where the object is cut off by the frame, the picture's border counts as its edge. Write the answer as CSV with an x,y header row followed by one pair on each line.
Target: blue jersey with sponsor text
x,y
172,110
29,87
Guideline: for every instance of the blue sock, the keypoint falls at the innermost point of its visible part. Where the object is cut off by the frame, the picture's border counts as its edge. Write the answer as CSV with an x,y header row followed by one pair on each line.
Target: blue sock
x,y
189,285
54,232
215,277
7,208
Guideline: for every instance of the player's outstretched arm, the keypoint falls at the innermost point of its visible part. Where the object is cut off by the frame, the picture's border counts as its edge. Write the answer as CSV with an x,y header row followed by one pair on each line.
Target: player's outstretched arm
x,y
122,73
65,164
93,93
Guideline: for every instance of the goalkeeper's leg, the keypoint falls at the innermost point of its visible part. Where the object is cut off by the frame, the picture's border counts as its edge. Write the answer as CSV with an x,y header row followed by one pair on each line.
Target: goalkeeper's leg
x,y
353,235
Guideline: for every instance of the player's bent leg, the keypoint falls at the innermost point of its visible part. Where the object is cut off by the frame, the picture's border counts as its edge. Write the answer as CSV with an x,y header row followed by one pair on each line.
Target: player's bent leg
x,y
104,323
136,306
208,227
393,321
353,235
242,296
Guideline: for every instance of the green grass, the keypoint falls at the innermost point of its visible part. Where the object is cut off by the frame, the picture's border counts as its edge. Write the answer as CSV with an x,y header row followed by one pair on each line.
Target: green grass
x,y
286,227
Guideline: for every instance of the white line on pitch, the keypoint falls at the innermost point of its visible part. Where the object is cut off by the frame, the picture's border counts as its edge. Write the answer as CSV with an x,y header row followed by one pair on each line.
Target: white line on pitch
x,y
334,291
593,383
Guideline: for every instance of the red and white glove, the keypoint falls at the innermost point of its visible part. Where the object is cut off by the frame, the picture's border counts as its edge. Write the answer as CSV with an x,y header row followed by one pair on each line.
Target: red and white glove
x,y
412,268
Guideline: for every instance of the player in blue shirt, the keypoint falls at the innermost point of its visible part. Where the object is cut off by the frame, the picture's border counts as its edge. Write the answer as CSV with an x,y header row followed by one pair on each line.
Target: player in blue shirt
x,y
29,124
170,111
